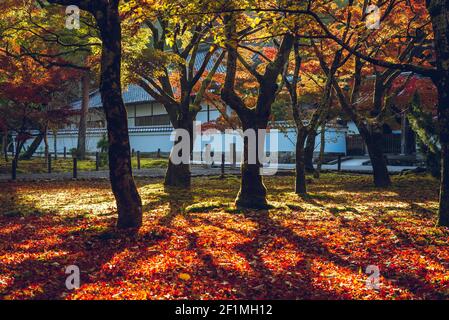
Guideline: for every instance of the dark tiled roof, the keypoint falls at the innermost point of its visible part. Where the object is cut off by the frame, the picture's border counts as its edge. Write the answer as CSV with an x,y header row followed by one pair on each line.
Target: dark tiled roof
x,y
104,130
131,94
136,94
200,58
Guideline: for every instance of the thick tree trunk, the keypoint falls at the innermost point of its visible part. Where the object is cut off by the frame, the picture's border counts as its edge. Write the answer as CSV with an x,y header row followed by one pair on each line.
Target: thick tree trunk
x,y
178,175
373,140
83,116
128,200
378,160
33,147
300,182
443,121
309,150
252,193
439,13
443,216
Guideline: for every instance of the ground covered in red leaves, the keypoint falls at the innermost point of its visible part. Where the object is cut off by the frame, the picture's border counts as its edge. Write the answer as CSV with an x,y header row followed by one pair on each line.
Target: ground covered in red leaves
x,y
196,245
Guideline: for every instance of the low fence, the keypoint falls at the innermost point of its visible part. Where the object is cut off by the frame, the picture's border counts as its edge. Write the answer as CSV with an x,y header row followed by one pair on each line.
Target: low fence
x,y
64,163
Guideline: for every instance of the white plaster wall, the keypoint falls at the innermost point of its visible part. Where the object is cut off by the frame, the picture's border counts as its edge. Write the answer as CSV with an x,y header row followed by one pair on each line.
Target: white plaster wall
x,y
152,141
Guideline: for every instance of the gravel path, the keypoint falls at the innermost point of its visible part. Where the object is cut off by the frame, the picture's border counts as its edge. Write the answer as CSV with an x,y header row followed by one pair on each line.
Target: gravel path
x,y
197,170
87,175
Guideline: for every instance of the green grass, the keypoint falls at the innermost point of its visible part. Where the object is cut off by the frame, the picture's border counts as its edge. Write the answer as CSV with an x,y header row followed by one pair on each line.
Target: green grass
x,y
38,165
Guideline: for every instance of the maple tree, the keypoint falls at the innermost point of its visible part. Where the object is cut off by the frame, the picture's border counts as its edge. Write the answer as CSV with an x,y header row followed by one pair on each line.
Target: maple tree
x,y
107,18
36,27
406,41
31,98
301,86
177,68
255,116
437,71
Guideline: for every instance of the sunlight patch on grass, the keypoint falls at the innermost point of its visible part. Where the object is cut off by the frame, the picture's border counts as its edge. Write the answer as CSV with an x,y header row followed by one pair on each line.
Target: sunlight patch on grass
x,y
204,206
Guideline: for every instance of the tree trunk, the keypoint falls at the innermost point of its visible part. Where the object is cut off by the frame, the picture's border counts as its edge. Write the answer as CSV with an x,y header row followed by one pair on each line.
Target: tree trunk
x,y
439,13
46,144
19,146
309,150
83,116
300,183
252,193
443,124
128,200
443,212
178,175
33,147
373,139
321,156
5,146
55,144
378,160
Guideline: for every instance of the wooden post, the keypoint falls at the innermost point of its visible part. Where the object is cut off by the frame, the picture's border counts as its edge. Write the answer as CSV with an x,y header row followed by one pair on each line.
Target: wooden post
x,y
138,160
49,163
158,153
65,153
222,165
132,152
97,161
14,169
339,162
75,168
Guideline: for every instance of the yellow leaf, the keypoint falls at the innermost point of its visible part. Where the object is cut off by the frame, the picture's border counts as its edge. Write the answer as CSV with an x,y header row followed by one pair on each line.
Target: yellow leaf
x,y
184,276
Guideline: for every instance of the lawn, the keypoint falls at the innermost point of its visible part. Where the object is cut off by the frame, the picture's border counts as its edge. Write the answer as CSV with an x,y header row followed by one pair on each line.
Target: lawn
x,y
197,245
39,165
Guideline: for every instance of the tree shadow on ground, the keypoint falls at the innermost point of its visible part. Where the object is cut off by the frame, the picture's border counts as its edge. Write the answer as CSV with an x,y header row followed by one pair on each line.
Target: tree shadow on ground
x,y
43,244
178,199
